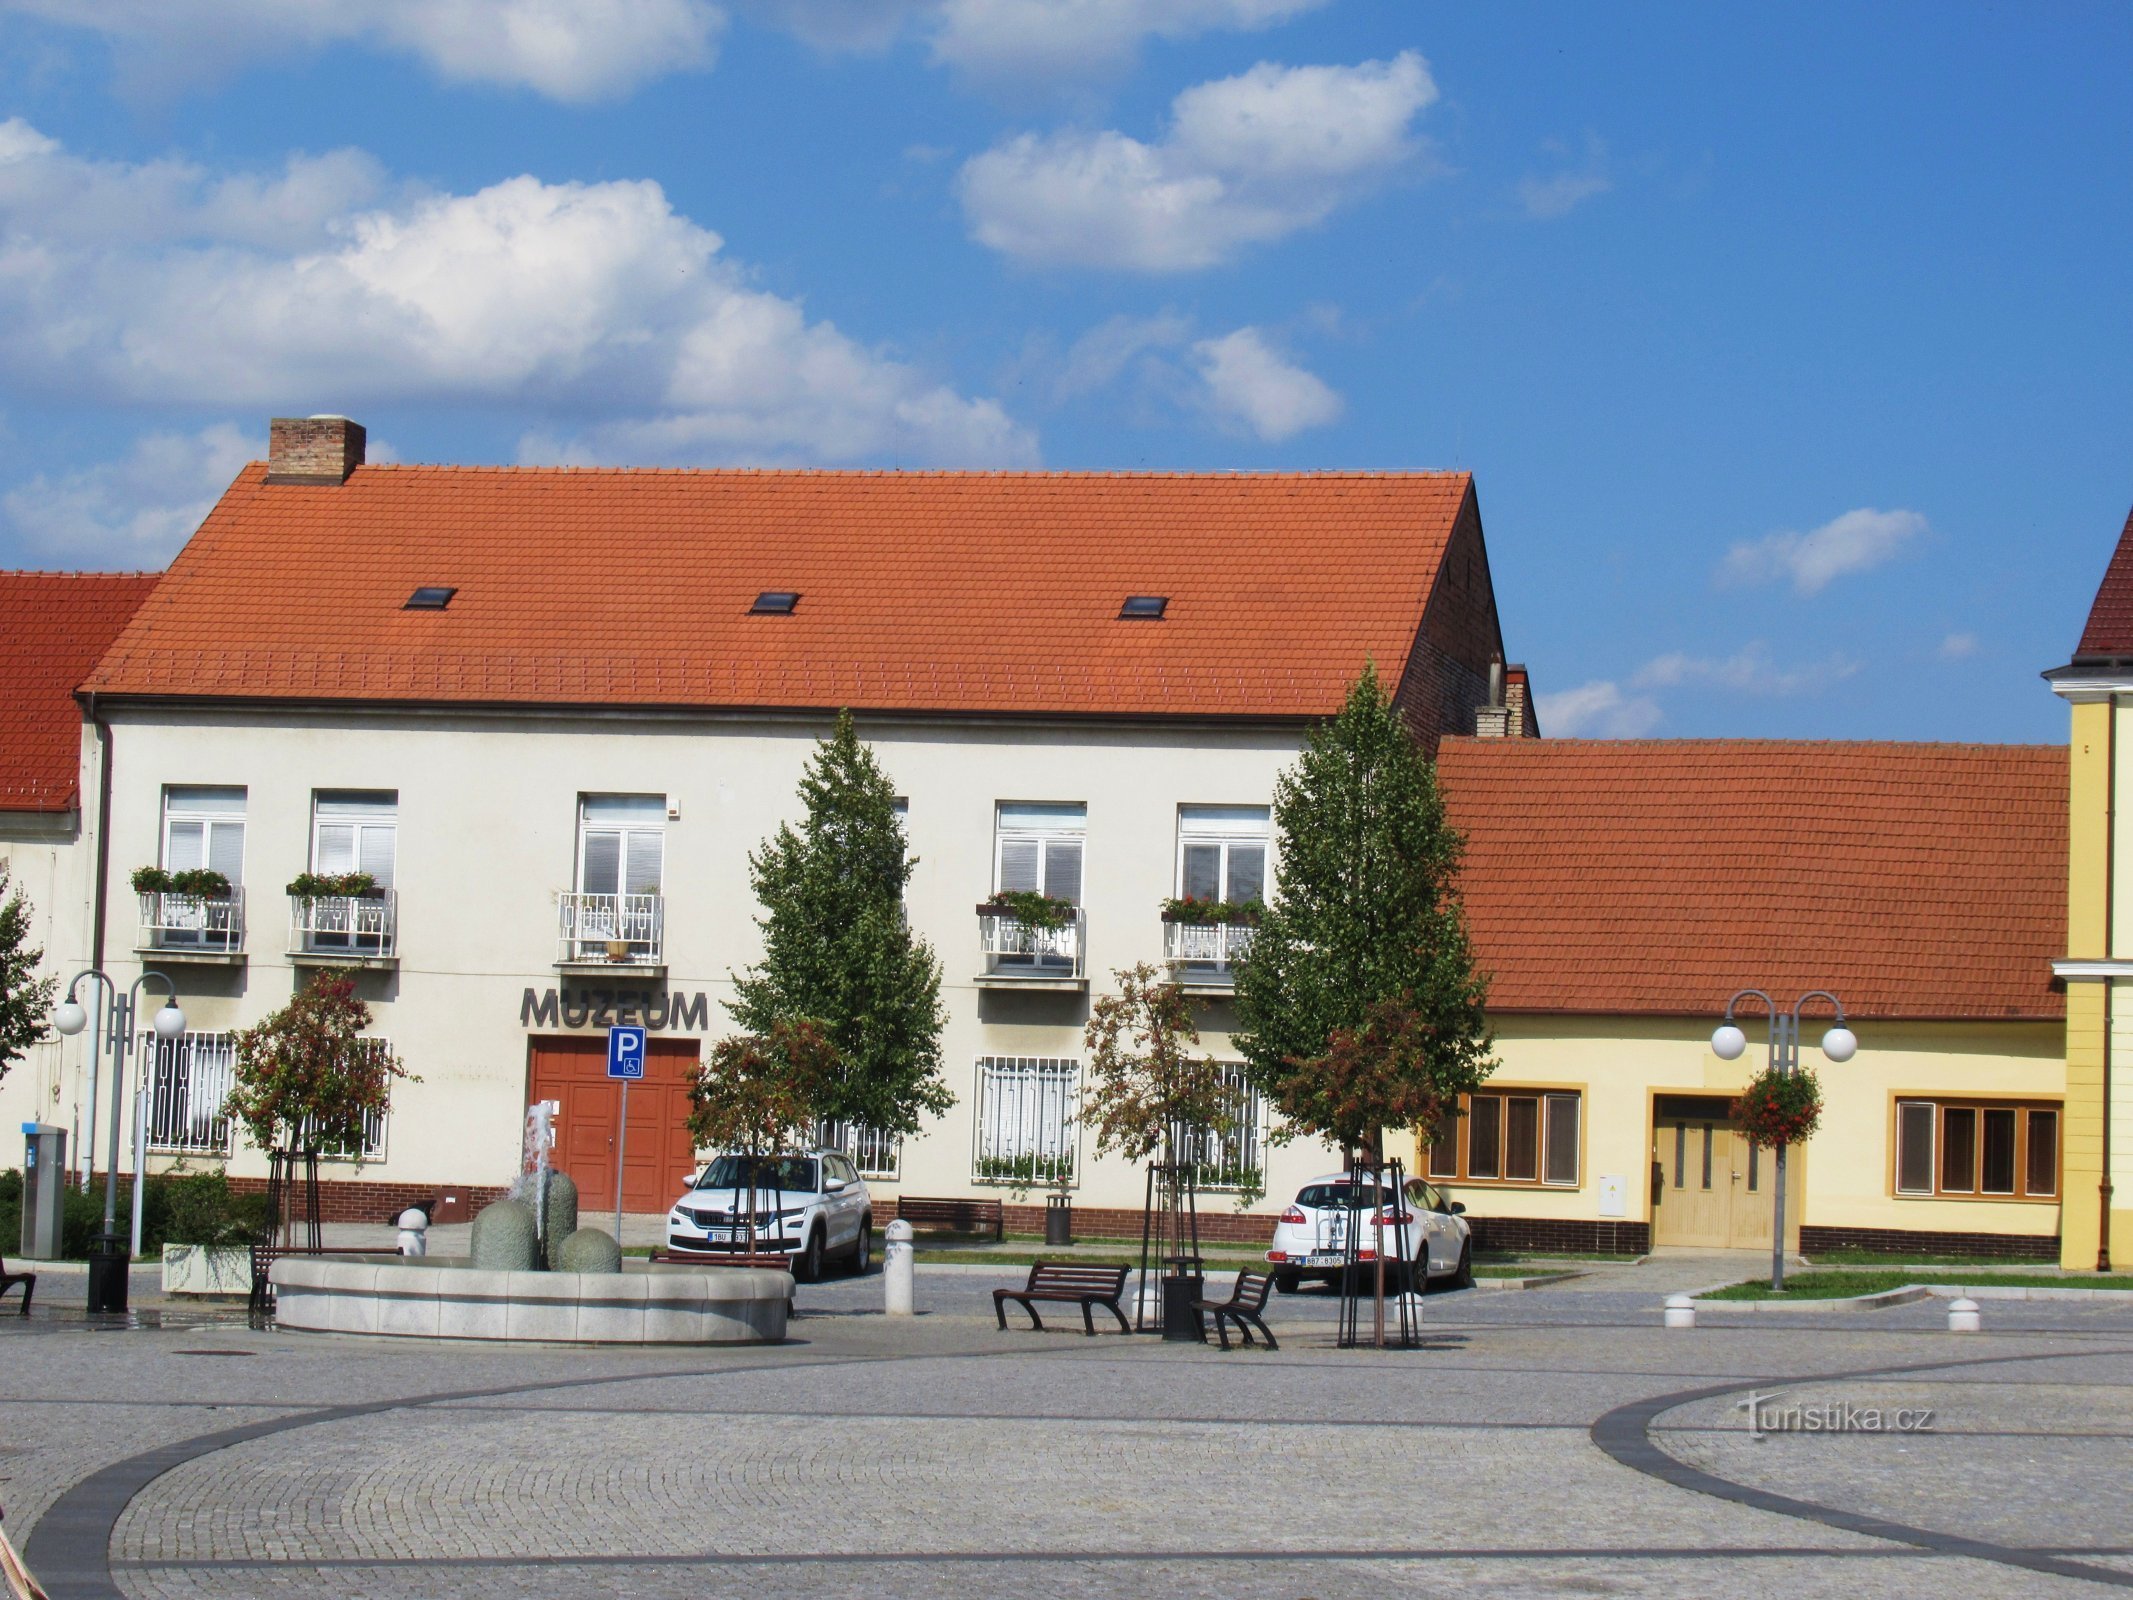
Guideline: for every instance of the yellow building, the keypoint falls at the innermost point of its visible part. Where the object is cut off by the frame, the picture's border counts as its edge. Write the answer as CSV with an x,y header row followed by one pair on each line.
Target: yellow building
x,y
2098,965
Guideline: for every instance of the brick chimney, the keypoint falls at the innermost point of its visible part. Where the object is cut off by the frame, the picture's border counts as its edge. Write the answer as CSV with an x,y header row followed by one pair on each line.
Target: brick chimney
x,y
313,449
1509,713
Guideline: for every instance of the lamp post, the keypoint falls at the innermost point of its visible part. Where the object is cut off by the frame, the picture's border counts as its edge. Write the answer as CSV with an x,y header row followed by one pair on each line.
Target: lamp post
x,y
110,1257
1839,1044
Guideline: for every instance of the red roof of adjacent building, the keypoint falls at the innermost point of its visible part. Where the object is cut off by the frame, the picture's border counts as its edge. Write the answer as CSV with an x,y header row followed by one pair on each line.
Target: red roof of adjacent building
x,y
53,626
968,592
2109,635
1660,876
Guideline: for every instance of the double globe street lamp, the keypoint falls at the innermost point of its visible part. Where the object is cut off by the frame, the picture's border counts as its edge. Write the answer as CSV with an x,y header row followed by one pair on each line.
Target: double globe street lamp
x,y
110,1258
1840,1044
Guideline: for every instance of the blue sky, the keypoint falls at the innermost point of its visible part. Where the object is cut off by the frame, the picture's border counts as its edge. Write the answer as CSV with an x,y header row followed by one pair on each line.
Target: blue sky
x,y
1791,349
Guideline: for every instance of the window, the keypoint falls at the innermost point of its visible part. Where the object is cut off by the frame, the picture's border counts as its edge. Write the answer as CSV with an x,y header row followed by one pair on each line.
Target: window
x,y
204,828
188,1079
1516,1136
1037,850
1029,1108
875,1154
1144,608
354,831
775,602
430,597
1222,852
1990,1150
621,843
1234,1162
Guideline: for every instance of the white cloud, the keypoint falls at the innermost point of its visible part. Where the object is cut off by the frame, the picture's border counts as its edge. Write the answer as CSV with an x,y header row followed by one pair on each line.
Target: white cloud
x,y
1958,647
1245,160
1106,350
593,303
1567,188
133,512
1079,38
1810,561
572,50
1248,382
1750,670
1597,710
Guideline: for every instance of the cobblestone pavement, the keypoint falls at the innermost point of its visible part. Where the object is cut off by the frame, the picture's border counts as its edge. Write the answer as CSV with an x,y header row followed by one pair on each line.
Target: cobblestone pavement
x,y
1541,1441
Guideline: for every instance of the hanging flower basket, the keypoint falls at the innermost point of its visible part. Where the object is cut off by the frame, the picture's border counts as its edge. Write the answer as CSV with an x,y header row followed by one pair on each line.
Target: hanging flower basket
x,y
1779,1109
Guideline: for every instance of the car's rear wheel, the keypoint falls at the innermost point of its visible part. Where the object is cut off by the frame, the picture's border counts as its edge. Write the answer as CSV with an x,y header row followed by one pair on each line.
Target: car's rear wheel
x,y
1464,1277
863,1248
1287,1282
808,1269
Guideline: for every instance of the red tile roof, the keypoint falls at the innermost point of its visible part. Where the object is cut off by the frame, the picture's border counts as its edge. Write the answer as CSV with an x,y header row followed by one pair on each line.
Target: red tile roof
x,y
975,592
1660,876
2109,635
53,626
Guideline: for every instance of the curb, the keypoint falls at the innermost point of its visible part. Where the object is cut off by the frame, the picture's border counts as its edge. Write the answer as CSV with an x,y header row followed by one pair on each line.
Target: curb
x,y
1911,1293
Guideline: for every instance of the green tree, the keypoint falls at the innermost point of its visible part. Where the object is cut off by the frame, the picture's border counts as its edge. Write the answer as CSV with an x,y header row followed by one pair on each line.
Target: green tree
x,y
1151,1092
758,1094
838,950
1365,915
25,998
305,1079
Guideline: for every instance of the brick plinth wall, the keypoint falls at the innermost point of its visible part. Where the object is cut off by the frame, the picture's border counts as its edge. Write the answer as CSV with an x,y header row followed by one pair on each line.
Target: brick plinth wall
x,y
345,1200
1918,1242
1547,1233
1219,1224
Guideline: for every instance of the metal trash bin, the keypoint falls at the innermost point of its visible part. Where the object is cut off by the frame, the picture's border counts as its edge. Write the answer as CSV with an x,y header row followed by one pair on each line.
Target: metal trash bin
x,y
44,1192
1058,1219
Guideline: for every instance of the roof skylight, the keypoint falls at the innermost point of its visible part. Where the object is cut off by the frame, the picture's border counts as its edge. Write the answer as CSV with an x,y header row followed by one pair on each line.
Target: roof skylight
x,y
1143,607
430,597
776,602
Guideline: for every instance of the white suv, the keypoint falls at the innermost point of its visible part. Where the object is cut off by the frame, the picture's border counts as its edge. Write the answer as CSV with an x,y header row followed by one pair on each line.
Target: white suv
x,y
809,1207
1310,1240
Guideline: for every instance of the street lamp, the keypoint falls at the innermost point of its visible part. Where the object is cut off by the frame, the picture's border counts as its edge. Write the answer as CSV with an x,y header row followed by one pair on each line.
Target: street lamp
x,y
1840,1044
109,1259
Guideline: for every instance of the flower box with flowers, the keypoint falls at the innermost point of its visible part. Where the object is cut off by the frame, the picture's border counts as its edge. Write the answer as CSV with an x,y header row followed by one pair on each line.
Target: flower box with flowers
x,y
1214,913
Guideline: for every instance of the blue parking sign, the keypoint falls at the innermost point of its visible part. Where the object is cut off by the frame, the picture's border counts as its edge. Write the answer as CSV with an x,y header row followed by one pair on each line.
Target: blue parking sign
x,y
625,1053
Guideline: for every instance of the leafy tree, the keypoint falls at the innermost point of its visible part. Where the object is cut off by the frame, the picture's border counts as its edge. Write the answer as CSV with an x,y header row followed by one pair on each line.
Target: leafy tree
x,y
1365,917
305,1078
758,1094
1151,1094
838,950
25,998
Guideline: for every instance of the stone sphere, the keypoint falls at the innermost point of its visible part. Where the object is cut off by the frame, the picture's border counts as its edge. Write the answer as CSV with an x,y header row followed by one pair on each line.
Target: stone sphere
x,y
503,1238
589,1250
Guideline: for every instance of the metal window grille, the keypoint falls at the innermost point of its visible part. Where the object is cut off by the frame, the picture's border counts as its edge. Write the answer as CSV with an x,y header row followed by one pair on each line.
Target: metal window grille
x,y
188,1080
876,1154
1029,1112
1233,1162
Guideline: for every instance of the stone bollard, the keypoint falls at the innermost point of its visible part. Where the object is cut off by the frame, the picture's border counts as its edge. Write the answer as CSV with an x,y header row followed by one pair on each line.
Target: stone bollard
x,y
1962,1316
414,1226
1680,1311
897,1261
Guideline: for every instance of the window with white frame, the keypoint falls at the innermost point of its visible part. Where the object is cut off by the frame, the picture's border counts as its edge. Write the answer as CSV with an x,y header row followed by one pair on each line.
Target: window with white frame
x,y
1234,1161
1222,853
876,1154
621,843
1029,1112
204,827
372,1146
355,831
188,1081
1038,849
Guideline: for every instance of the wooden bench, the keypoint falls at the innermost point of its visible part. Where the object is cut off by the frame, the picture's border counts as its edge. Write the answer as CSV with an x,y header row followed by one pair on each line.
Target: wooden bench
x,y
1070,1284
1245,1307
988,1217
8,1280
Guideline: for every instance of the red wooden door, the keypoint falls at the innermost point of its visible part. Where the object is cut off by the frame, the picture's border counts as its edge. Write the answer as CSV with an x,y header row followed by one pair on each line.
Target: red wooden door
x,y
660,1156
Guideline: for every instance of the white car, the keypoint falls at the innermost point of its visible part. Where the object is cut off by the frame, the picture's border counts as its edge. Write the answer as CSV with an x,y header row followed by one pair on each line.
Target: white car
x,y
811,1207
1310,1240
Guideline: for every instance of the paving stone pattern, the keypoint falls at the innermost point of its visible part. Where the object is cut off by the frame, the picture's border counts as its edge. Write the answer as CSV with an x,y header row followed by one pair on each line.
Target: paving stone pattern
x,y
936,1456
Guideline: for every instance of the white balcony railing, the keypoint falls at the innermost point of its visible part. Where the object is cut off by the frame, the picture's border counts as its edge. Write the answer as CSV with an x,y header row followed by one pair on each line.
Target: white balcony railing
x,y
616,929
357,926
181,923
1206,952
1017,949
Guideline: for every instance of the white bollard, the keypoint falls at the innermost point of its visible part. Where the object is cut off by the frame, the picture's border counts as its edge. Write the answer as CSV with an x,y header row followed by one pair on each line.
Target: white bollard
x,y
1962,1316
414,1226
897,1261
1680,1311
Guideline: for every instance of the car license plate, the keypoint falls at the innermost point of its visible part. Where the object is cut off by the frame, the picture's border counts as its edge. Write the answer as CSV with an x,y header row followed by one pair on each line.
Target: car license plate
x,y
722,1235
1326,1258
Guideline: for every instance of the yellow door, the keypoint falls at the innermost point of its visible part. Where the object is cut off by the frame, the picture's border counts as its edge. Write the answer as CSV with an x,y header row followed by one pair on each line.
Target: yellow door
x,y
1693,1180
